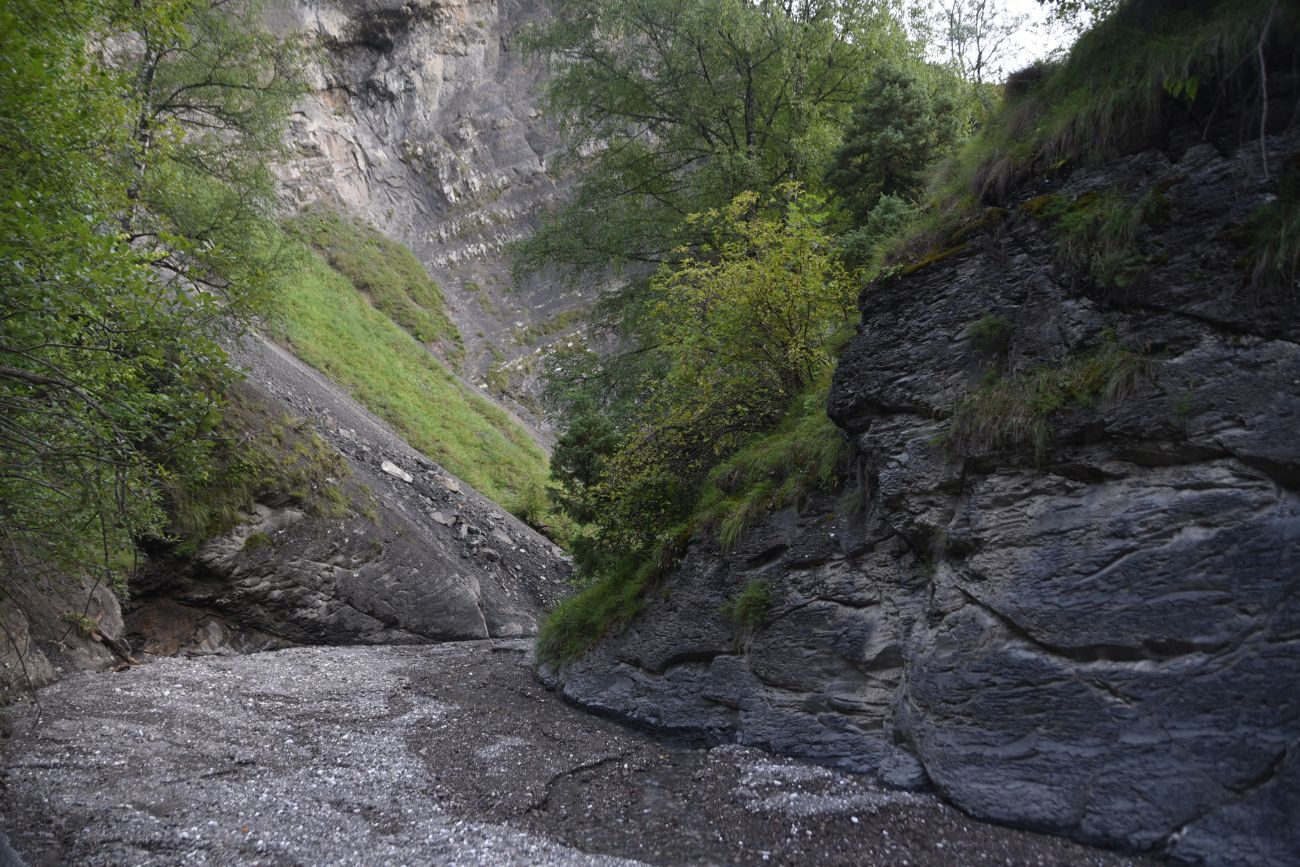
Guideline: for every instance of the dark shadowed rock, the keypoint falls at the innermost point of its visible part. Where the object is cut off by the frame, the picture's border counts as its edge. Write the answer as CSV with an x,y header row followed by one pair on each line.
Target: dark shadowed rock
x,y
1103,641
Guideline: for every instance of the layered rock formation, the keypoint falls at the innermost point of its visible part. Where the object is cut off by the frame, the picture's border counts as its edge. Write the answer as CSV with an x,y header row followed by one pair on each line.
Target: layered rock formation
x,y
1101,641
419,556
425,122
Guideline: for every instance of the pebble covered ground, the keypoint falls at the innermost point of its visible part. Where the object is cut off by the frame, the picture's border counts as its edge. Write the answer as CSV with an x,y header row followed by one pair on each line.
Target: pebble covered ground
x,y
443,754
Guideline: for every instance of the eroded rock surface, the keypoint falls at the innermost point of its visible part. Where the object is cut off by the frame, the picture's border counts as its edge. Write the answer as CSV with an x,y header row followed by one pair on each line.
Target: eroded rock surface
x,y
1103,641
53,626
424,559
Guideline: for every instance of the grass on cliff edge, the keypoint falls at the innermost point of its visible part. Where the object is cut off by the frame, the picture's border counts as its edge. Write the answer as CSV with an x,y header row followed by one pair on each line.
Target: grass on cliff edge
x,y
330,323
1113,93
805,452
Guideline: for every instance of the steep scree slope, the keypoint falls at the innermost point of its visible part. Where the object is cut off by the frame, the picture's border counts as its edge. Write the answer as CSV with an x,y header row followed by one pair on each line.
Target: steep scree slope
x,y
420,556
1104,643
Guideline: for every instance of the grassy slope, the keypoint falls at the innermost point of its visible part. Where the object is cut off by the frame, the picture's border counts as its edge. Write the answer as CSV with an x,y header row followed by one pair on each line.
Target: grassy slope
x,y
385,272
330,323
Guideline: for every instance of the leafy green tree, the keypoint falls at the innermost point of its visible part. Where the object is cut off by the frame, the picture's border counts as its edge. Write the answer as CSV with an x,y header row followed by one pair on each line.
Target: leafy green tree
x,y
118,271
743,325
211,89
674,107
901,126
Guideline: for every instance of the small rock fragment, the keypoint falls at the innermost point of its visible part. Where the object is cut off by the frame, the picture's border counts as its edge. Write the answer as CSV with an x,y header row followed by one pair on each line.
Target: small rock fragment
x,y
397,472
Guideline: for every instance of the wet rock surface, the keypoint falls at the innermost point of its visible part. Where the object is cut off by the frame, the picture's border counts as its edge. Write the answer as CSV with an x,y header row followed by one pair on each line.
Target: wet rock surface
x,y
1102,641
432,755
419,557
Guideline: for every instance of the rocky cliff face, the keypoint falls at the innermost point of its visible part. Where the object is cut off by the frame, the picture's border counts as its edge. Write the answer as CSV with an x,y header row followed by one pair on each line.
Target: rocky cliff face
x,y
425,122
1103,641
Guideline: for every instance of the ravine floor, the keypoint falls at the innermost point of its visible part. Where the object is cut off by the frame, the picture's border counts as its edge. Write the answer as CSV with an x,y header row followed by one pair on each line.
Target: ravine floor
x,y
444,754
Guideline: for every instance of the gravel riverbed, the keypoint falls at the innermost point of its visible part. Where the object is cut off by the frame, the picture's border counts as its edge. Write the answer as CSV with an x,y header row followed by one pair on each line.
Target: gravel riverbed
x,y
442,754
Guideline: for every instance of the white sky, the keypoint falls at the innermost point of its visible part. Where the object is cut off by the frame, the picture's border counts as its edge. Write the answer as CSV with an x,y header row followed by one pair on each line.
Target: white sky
x,y
1036,39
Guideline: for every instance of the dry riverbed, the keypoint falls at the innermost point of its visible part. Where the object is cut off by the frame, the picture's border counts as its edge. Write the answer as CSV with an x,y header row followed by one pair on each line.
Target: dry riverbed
x,y
445,754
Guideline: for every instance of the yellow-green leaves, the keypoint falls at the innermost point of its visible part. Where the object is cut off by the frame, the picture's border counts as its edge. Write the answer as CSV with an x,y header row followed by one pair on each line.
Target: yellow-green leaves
x,y
758,302
742,325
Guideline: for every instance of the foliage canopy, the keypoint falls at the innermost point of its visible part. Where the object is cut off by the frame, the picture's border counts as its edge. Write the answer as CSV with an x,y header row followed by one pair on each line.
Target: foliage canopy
x,y
674,107
132,146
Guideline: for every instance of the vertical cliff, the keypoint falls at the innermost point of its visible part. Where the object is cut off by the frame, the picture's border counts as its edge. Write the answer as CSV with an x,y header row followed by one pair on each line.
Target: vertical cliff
x,y
1070,598
424,121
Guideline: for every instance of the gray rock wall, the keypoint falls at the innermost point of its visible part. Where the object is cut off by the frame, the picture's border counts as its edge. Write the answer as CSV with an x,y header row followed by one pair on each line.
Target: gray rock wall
x,y
425,121
53,626
1105,644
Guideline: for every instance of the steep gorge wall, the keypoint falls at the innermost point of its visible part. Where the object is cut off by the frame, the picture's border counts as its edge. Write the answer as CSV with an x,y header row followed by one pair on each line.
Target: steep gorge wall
x,y
1103,644
424,121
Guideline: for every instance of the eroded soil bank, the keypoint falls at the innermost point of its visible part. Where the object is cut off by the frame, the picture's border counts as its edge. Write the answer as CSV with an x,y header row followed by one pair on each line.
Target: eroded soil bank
x,y
444,754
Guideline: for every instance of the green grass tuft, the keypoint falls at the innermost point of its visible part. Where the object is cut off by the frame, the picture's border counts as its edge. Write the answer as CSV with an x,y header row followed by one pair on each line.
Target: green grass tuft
x,y
257,541
609,600
1273,234
748,610
991,334
1096,232
1015,411
578,622
552,325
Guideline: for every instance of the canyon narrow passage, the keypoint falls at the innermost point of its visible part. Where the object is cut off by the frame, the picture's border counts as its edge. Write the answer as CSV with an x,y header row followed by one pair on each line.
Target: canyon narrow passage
x,y
443,754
